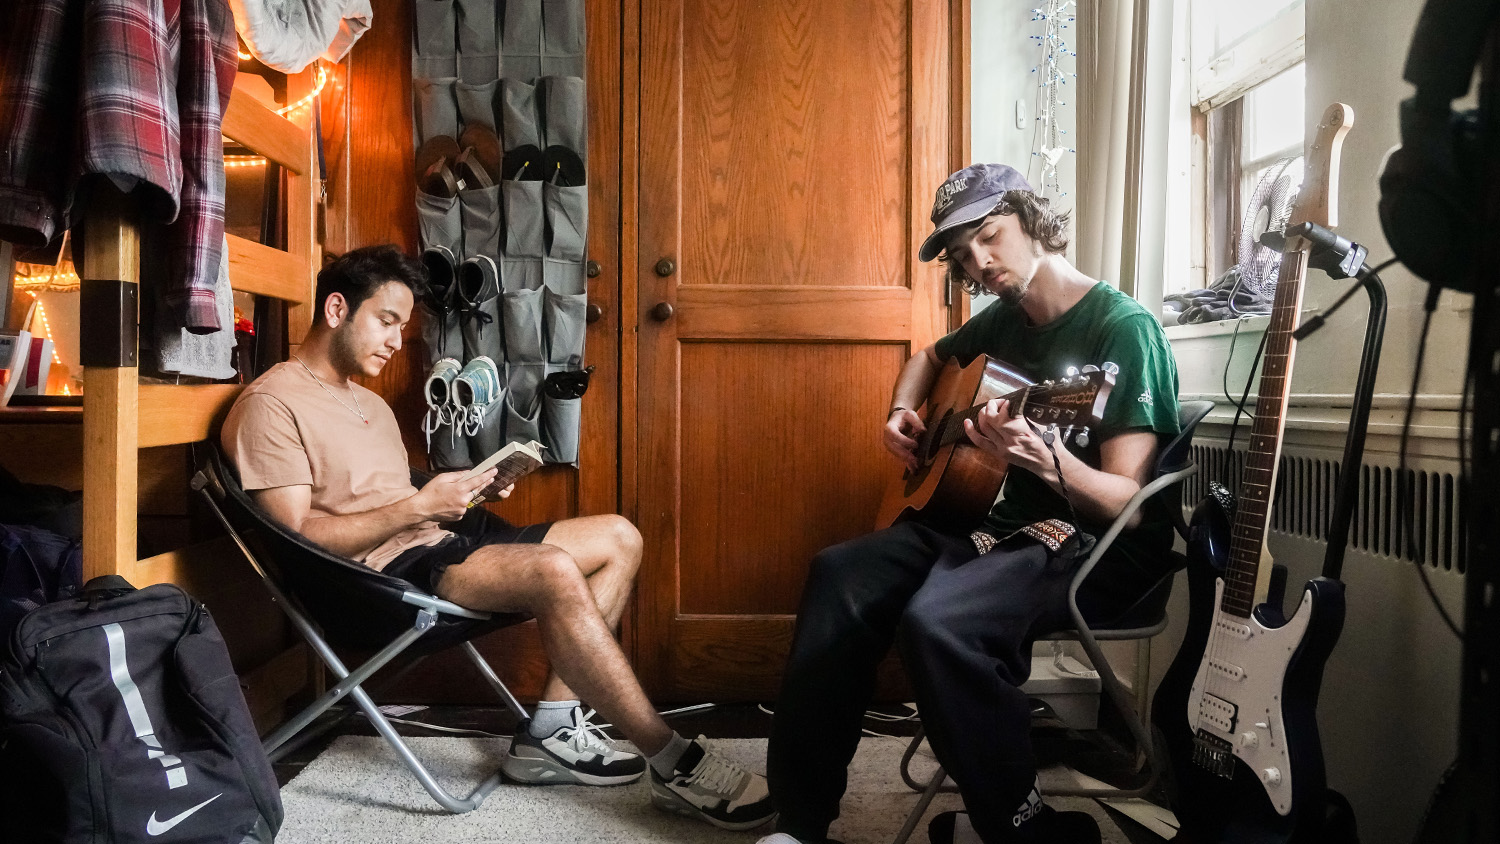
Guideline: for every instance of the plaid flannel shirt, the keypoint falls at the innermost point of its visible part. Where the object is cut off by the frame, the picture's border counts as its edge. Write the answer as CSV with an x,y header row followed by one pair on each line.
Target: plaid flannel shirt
x,y
131,90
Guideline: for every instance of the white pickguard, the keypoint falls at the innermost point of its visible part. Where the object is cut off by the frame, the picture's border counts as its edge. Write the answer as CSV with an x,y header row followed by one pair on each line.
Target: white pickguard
x,y
1237,692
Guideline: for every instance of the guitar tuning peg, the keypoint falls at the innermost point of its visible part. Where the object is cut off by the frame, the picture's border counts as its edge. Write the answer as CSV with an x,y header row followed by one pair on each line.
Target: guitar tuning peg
x,y
1112,368
1090,368
1082,440
1049,434
1071,371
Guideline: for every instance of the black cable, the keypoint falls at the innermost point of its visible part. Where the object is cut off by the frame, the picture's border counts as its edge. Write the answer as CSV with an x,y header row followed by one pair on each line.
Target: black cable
x,y
1239,407
1405,486
1316,322
1047,437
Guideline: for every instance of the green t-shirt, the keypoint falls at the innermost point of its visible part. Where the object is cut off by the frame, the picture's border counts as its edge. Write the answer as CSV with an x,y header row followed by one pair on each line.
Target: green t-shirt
x,y
1105,326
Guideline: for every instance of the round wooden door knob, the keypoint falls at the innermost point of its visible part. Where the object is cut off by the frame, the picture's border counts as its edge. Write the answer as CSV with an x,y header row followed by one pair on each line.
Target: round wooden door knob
x,y
593,313
662,312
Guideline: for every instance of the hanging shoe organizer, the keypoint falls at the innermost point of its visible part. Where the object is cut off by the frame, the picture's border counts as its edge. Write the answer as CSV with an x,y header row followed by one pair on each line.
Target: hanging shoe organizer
x,y
502,201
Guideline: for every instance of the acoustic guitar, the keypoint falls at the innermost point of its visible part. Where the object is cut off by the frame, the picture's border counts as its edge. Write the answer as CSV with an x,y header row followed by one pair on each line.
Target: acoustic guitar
x,y
1237,708
956,482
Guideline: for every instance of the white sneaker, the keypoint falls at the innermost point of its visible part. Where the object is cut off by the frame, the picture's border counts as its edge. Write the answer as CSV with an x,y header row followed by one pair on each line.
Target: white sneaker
x,y
709,787
571,755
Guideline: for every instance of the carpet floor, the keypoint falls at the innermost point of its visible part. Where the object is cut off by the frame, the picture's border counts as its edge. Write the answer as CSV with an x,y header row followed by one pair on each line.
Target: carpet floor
x,y
356,790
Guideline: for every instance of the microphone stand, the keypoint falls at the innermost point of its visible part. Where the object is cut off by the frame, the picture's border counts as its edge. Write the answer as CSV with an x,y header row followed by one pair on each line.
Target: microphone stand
x,y
1341,258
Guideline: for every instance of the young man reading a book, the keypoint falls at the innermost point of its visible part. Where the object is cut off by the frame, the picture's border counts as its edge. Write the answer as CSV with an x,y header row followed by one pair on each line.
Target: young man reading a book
x,y
969,605
324,456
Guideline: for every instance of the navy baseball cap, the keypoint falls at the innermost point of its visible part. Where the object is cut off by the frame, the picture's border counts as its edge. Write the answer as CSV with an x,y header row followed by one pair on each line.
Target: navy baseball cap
x,y
966,196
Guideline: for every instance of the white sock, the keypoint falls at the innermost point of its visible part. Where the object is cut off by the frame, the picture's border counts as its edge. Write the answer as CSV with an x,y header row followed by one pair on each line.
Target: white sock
x,y
551,716
665,761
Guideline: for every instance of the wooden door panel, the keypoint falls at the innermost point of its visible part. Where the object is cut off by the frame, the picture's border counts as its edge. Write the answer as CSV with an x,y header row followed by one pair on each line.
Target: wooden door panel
x,y
709,311
787,153
780,454
741,658
794,132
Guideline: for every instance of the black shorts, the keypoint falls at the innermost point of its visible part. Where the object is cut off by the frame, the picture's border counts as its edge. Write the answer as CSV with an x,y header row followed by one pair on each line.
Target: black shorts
x,y
424,565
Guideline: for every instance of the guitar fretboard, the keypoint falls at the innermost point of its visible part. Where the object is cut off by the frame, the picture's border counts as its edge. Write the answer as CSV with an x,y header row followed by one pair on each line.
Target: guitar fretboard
x,y
1258,484
952,430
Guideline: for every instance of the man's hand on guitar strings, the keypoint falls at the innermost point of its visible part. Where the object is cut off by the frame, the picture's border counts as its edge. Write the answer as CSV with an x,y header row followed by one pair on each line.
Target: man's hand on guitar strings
x,y
1014,439
901,433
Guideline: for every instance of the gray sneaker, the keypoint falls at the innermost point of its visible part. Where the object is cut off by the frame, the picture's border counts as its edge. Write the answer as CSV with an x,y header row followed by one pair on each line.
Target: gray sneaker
x,y
571,755
711,788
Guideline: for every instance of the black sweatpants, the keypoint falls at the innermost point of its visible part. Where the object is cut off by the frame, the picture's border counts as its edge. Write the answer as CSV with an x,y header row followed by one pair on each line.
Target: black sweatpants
x,y
965,623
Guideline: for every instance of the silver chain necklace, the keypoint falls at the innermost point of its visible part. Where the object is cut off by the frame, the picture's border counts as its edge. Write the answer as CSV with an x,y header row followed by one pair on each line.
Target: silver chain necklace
x,y
356,410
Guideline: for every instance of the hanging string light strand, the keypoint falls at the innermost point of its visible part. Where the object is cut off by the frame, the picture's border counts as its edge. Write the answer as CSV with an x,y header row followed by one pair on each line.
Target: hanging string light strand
x,y
1047,144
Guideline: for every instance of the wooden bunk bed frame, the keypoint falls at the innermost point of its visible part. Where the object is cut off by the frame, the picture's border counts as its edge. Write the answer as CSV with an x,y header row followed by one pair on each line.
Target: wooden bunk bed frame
x,y
121,416
165,414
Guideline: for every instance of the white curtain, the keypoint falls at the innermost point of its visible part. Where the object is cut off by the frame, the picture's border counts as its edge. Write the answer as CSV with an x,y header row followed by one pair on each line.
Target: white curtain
x,y
1103,133
1124,69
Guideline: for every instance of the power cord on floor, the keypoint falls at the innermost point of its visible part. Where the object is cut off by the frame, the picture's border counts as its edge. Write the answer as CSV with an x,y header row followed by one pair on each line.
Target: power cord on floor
x,y
877,716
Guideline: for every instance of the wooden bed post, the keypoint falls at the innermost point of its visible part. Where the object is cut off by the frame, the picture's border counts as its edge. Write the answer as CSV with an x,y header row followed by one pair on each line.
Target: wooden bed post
x,y
303,200
108,327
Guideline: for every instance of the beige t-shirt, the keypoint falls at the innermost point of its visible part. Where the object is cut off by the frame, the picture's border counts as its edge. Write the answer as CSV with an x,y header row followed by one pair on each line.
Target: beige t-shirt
x,y
287,430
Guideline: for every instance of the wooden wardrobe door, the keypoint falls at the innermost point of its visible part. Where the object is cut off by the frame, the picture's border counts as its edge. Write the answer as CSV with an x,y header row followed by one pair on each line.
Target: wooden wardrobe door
x,y
788,154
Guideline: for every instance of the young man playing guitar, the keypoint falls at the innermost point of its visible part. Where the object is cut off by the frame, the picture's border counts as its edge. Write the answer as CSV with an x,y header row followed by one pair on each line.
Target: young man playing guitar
x,y
967,604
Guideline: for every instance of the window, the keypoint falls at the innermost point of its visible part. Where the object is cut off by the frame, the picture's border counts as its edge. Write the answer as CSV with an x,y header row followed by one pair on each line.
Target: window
x,y
1247,93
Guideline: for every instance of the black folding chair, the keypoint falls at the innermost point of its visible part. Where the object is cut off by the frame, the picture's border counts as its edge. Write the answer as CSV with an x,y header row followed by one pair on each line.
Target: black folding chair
x,y
356,607
1142,620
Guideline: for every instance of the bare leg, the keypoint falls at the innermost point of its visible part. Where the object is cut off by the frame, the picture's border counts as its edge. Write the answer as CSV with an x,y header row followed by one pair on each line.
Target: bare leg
x,y
607,550
549,583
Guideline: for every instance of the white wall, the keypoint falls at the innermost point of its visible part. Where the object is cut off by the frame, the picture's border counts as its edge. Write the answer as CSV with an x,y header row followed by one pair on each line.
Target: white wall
x,y
1002,54
1355,54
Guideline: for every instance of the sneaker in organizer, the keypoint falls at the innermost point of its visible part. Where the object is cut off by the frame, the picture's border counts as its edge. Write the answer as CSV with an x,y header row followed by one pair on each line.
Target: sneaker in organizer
x,y
571,755
474,389
438,390
711,788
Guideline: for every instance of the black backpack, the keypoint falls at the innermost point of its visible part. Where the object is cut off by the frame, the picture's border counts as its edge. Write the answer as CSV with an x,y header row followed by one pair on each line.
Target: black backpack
x,y
37,567
121,720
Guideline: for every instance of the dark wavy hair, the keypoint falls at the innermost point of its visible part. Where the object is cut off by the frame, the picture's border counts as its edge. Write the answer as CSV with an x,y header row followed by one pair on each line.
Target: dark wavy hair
x,y
358,273
1037,219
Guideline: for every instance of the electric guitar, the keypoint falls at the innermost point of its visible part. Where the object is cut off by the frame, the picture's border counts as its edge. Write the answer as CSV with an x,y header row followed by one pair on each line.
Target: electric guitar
x,y
956,482
1236,709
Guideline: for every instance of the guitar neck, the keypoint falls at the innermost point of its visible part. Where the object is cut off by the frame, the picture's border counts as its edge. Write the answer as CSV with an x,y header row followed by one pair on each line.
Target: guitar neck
x,y
953,428
1252,515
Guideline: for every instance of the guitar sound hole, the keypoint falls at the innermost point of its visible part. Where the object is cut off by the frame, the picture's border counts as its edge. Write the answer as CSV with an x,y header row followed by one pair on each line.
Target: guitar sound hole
x,y
932,441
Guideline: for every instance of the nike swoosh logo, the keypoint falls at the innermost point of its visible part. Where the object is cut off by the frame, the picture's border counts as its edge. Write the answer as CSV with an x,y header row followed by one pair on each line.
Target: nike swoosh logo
x,y
156,827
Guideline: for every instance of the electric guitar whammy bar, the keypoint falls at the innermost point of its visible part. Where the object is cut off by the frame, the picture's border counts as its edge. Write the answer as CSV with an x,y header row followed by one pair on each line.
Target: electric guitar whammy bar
x,y
1237,706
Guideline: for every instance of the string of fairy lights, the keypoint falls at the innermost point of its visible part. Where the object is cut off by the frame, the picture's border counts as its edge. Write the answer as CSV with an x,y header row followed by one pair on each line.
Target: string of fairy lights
x,y
1047,143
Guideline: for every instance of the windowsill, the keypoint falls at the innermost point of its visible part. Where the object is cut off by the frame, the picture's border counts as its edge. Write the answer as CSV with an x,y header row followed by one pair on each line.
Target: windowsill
x,y
1251,324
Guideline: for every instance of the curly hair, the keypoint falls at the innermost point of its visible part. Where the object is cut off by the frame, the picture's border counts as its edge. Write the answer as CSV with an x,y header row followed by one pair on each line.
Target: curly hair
x,y
1037,219
358,273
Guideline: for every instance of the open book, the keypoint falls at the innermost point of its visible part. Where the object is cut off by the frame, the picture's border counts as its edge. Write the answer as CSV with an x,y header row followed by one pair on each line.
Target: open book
x,y
513,462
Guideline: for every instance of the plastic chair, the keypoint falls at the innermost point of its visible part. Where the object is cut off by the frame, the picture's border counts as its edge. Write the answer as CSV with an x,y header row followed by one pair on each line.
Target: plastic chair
x,y
1143,620
356,607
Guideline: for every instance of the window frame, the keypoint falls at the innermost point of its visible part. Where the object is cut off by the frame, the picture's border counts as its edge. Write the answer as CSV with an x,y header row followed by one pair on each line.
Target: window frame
x,y
1219,84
